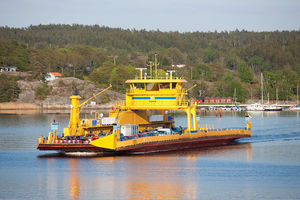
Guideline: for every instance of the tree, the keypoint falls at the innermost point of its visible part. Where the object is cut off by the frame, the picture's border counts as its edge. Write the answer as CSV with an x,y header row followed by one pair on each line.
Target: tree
x,y
119,75
256,63
9,89
232,63
175,55
241,92
203,71
101,75
245,73
14,54
209,55
42,92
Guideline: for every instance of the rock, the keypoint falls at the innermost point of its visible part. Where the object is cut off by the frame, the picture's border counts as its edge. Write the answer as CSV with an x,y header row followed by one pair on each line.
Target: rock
x,y
62,89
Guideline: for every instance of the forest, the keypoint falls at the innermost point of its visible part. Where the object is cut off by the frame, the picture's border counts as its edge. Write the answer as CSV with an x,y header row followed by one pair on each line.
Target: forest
x,y
220,63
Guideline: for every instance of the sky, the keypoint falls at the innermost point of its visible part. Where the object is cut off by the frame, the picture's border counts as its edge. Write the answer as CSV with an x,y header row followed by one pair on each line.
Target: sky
x,y
165,15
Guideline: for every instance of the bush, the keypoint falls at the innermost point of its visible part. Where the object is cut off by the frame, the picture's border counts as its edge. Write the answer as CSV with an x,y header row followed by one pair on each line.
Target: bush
x,y
42,92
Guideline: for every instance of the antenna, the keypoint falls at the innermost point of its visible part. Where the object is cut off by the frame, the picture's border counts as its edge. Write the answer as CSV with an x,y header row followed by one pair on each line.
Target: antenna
x,y
141,72
156,64
171,73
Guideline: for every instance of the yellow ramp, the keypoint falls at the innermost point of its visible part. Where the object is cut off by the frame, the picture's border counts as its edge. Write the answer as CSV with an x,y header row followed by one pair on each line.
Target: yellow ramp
x,y
107,142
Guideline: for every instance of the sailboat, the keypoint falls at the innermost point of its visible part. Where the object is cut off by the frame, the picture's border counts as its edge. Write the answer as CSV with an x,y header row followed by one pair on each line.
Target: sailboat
x,y
258,106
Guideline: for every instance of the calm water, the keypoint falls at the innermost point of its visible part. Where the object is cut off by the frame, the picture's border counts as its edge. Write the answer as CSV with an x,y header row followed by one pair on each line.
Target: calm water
x,y
266,166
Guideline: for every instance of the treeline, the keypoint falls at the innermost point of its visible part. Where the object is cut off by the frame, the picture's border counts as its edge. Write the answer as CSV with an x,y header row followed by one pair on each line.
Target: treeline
x,y
220,63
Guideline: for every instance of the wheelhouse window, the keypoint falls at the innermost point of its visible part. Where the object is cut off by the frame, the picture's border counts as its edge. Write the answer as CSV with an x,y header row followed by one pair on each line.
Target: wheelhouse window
x,y
174,85
139,86
164,86
152,86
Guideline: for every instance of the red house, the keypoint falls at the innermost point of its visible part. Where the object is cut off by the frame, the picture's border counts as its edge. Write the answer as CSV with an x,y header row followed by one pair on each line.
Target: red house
x,y
224,100
206,100
218,100
229,100
212,100
199,101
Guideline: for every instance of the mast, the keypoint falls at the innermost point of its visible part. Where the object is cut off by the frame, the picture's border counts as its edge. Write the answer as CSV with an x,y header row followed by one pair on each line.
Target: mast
x,y
234,95
150,66
155,64
276,96
262,88
297,95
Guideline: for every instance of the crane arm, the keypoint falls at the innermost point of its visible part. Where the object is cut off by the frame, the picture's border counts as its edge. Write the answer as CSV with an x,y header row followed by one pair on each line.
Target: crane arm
x,y
191,87
94,96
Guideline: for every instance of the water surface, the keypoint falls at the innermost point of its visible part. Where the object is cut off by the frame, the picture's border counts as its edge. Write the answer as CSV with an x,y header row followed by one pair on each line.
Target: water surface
x,y
266,166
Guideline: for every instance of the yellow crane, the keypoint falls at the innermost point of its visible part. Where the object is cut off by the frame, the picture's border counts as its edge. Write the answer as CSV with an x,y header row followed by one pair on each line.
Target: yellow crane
x,y
75,127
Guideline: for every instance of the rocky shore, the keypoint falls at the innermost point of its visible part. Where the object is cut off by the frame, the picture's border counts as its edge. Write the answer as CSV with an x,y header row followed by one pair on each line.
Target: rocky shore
x,y
58,97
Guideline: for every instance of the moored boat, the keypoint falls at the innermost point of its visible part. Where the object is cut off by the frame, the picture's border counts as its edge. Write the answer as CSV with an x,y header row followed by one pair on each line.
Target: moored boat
x,y
272,108
255,107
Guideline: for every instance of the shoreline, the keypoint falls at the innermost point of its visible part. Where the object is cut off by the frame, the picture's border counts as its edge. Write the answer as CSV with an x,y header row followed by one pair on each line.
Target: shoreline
x,y
30,108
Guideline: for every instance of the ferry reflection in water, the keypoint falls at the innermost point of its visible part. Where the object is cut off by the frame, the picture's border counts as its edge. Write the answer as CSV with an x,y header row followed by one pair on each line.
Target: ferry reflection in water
x,y
169,175
74,180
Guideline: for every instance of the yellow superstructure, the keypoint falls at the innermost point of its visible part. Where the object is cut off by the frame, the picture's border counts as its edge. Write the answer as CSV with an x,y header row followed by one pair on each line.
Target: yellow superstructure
x,y
161,93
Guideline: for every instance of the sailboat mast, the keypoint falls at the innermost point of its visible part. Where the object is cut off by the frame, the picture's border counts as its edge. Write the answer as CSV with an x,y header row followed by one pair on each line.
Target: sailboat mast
x,y
262,88
297,95
276,96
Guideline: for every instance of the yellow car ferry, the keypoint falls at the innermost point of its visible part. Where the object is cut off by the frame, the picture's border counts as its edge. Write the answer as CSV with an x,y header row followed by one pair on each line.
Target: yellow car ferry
x,y
142,123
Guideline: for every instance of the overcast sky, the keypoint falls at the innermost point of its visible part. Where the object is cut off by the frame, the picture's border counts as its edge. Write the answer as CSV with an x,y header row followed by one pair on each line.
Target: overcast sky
x,y
165,15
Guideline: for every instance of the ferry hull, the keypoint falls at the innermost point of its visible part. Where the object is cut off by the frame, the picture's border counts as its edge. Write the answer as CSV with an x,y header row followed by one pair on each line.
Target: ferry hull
x,y
71,148
181,144
145,148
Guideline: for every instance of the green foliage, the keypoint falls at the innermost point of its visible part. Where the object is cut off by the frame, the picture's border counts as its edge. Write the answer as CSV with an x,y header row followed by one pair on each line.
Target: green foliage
x,y
9,89
218,71
256,63
241,92
297,69
204,72
15,54
232,63
285,81
209,55
119,75
245,73
101,75
90,51
175,56
42,92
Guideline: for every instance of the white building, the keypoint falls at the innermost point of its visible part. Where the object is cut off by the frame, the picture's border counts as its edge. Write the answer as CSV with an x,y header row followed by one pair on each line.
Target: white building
x,y
8,69
52,76
178,65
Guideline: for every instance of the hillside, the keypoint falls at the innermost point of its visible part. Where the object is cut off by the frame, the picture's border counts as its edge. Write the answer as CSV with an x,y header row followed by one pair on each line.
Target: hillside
x,y
219,63
59,91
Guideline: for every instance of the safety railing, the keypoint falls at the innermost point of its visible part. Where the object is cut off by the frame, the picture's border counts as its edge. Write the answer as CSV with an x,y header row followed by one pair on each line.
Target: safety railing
x,y
45,141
